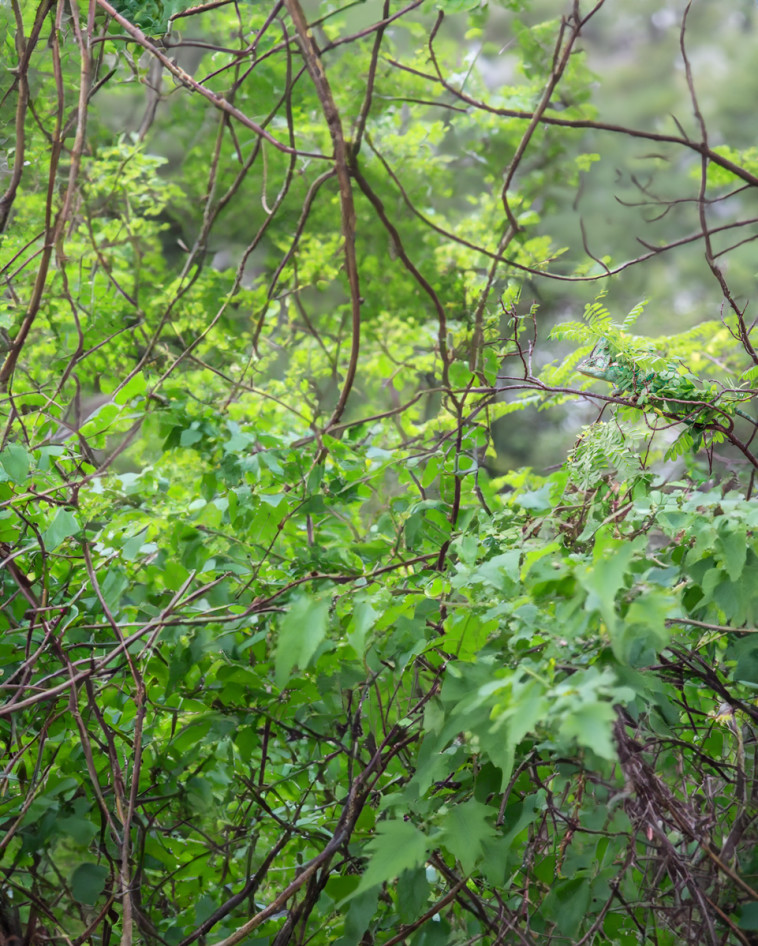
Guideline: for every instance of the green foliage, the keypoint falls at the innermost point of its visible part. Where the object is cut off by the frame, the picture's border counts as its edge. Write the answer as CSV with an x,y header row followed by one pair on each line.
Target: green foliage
x,y
151,16
646,380
286,656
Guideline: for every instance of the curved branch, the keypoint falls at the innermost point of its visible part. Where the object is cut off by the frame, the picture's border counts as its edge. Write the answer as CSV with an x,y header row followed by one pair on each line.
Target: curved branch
x,y
342,160
24,52
587,123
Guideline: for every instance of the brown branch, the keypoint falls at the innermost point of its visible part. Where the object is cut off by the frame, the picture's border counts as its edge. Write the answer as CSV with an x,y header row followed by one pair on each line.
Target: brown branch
x,y
51,227
744,333
24,49
586,123
497,257
408,928
246,891
342,161
560,60
378,205
360,124
351,810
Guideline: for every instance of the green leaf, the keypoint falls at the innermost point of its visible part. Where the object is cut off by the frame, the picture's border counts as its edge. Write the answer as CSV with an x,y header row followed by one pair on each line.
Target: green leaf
x,y
88,882
519,817
538,500
566,904
731,548
520,707
190,436
412,894
199,793
16,462
112,585
80,830
606,576
361,911
62,527
301,631
499,566
397,846
591,725
746,667
363,619
748,916
465,827
585,161
133,388
643,632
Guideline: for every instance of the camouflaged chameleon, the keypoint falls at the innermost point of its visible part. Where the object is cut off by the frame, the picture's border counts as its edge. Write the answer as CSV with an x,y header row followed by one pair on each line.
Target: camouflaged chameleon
x,y
667,392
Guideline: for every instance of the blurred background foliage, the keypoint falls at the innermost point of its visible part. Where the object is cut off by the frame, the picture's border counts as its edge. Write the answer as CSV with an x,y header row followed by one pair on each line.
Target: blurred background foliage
x,y
617,189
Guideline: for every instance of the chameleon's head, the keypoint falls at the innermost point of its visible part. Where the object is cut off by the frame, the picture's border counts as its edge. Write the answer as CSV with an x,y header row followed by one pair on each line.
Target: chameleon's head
x,y
598,362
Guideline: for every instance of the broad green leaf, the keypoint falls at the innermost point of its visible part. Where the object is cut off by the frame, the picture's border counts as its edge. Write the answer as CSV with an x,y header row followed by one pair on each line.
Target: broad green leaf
x,y
642,632
80,830
748,916
537,500
16,462
61,528
199,793
731,547
189,437
133,388
519,817
465,827
88,882
364,618
591,725
605,577
301,631
360,912
504,565
567,902
518,710
412,894
397,846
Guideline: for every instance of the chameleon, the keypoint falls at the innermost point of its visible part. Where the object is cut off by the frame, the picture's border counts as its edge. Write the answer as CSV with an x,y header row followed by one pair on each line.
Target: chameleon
x,y
667,392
